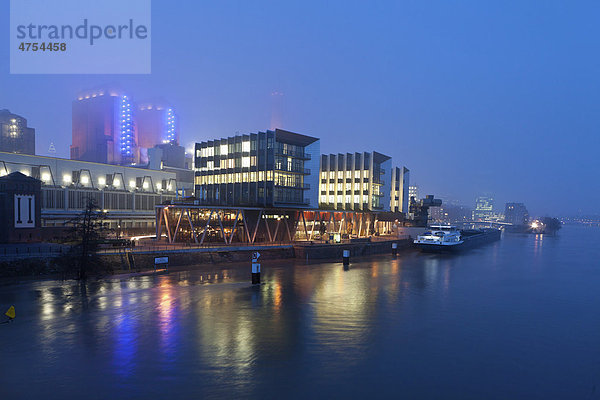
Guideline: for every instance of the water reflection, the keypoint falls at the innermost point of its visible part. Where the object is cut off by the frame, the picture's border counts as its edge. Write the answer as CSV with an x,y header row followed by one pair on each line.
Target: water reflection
x,y
209,331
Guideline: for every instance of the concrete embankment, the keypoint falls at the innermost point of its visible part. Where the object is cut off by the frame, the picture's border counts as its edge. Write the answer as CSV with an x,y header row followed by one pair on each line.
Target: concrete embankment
x,y
144,260
357,249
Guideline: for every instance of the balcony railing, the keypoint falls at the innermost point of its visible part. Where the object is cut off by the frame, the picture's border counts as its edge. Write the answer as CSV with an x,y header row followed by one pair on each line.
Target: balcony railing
x,y
305,186
295,154
299,170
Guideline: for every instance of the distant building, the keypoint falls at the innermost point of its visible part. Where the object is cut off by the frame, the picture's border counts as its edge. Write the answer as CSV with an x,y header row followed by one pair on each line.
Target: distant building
x,y
154,125
484,208
102,129
516,214
270,169
450,214
108,128
413,192
15,136
355,181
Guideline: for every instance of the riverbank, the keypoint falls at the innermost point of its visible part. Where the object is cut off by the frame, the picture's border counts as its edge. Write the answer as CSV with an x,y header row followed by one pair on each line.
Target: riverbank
x,y
126,261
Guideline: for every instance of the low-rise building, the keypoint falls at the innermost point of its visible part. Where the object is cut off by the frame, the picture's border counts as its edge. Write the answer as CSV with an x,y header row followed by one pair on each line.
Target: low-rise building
x,y
128,194
20,216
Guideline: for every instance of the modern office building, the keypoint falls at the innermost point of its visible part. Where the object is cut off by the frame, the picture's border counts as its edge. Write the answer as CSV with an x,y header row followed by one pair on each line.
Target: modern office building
x,y
128,194
265,169
155,124
516,214
355,181
15,135
102,128
399,195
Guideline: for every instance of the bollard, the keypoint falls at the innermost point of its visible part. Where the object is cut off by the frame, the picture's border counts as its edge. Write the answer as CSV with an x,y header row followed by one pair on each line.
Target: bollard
x,y
255,268
346,255
394,249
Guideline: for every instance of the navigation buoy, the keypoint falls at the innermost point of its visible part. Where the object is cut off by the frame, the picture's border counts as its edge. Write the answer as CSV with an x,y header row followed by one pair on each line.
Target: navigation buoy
x,y
10,314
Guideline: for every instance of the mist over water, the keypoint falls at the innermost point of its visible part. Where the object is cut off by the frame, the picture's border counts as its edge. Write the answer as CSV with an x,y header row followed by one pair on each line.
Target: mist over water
x,y
515,319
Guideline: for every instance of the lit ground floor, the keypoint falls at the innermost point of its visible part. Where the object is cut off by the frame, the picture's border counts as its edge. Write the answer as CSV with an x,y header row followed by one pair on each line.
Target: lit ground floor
x,y
227,225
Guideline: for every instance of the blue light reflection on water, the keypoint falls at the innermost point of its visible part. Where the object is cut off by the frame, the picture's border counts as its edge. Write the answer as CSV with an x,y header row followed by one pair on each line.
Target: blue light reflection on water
x,y
517,319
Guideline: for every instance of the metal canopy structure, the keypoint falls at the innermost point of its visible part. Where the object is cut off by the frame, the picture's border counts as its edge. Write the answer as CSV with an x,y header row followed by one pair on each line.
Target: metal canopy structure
x,y
227,225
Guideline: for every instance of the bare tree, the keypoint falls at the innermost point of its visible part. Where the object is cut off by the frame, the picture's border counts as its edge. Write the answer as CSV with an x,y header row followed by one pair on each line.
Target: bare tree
x,y
88,230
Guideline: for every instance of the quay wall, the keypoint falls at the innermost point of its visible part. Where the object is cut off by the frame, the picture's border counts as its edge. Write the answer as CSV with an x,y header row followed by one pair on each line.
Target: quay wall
x,y
144,260
358,249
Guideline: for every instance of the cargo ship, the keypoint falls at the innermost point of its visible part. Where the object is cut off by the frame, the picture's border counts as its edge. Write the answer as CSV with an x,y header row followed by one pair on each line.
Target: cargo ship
x,y
446,238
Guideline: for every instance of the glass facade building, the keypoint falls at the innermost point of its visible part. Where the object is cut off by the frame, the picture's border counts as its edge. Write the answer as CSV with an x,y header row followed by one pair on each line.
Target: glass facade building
x,y
265,169
355,181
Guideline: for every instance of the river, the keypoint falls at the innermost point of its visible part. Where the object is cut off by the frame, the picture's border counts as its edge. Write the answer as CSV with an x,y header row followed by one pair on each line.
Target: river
x,y
519,318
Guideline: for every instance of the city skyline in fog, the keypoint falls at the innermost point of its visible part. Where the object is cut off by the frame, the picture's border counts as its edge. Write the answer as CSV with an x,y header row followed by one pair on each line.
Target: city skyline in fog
x,y
472,98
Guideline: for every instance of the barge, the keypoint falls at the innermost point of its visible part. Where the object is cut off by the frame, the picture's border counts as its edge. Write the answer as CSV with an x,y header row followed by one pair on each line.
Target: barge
x,y
449,239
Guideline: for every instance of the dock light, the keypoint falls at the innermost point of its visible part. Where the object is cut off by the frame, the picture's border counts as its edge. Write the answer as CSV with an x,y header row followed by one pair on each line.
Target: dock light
x,y
132,184
145,185
535,225
102,181
46,177
159,186
117,182
85,180
67,179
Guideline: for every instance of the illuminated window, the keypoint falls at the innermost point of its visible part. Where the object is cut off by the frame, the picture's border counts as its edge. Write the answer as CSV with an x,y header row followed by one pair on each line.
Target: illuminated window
x,y
246,146
85,180
246,160
132,184
102,181
224,151
67,179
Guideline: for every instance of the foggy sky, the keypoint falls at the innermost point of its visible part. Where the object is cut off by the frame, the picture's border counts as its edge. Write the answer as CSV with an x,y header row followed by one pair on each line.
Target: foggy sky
x,y
472,97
